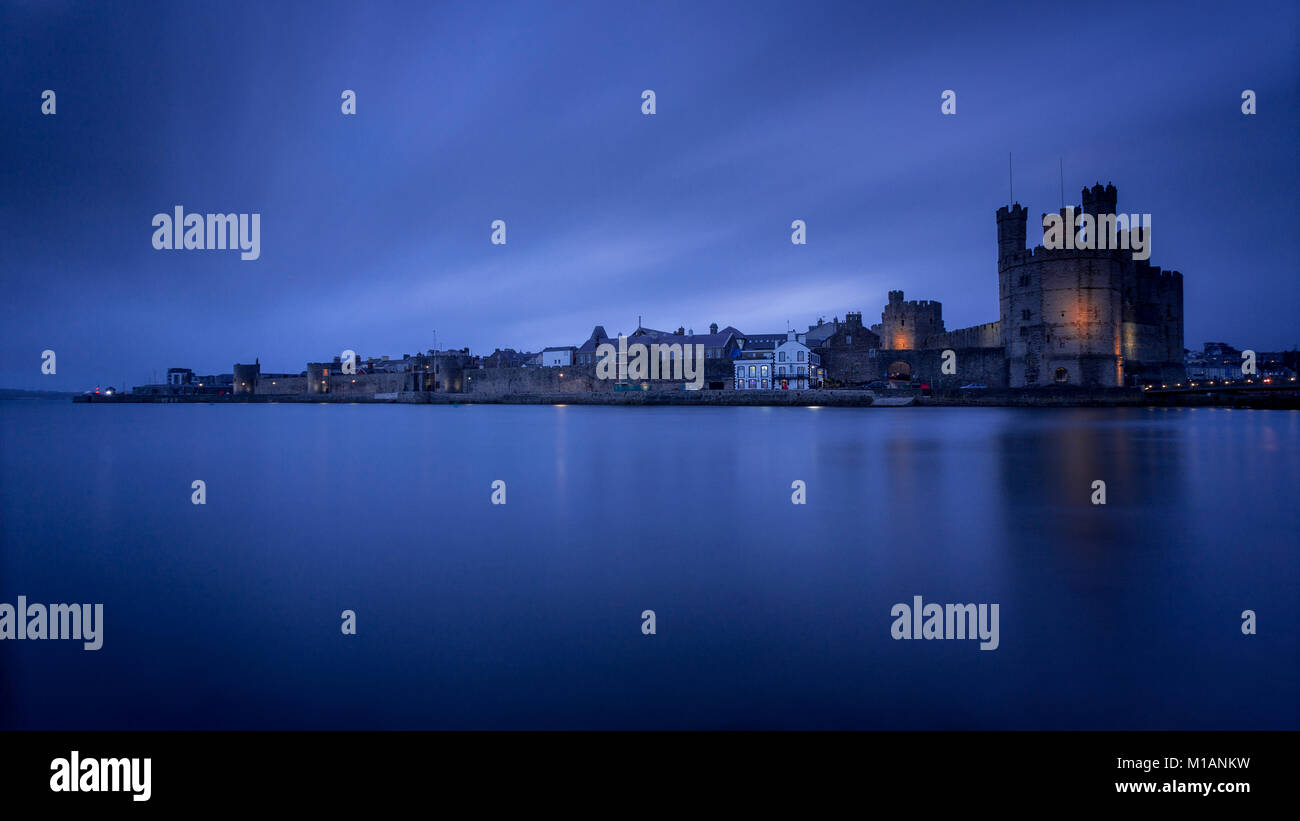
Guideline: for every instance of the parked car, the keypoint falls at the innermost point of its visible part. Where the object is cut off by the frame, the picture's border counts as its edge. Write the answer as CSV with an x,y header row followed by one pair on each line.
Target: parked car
x,y
877,386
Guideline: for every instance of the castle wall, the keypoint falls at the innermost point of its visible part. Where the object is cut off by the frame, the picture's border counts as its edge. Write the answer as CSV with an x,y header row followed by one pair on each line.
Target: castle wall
x,y
494,382
364,384
985,366
988,335
279,384
1062,310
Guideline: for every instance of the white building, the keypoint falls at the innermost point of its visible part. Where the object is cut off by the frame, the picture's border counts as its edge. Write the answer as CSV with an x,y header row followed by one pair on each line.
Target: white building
x,y
753,370
771,362
795,365
557,357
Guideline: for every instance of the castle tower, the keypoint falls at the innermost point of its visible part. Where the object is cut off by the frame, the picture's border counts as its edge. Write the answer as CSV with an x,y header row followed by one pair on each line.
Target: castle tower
x,y
906,325
245,378
1100,200
1085,316
1011,232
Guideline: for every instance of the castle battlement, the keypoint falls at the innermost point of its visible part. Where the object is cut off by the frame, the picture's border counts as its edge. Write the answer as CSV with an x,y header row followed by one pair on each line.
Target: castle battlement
x,y
1086,316
1040,253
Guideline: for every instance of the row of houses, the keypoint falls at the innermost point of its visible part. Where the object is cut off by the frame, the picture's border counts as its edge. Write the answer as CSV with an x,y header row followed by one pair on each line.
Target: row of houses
x,y
758,361
1219,361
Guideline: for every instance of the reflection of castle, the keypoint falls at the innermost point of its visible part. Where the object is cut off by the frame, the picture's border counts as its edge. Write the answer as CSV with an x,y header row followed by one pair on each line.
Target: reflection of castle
x,y
1076,317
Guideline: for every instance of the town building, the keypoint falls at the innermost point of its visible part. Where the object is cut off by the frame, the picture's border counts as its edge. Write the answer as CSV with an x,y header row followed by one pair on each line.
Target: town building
x,y
558,357
776,362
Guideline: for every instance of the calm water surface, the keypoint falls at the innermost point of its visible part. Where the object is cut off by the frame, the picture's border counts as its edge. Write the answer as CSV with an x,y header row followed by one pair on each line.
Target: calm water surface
x,y
769,615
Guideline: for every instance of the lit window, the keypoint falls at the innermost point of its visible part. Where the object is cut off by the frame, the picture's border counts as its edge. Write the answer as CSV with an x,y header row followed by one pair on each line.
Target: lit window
x,y
764,370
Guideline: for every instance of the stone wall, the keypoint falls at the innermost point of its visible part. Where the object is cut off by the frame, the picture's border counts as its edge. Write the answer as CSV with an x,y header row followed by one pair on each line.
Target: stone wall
x,y
985,366
497,382
988,335
279,385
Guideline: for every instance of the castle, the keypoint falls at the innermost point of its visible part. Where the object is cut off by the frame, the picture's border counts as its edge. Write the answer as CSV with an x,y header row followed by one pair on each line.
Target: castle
x,y
1082,317
1074,316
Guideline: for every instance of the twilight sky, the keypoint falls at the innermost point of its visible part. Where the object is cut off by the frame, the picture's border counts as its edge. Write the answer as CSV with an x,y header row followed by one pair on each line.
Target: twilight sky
x,y
375,228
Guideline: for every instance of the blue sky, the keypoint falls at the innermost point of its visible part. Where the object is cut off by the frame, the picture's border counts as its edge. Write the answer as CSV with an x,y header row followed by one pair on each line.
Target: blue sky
x,y
375,228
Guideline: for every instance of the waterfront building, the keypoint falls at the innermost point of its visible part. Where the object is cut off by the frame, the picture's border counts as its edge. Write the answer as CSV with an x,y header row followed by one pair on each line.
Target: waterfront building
x,y
558,357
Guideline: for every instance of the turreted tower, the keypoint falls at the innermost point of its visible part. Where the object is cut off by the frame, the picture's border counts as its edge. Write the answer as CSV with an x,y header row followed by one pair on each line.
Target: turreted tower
x,y
1100,200
1011,232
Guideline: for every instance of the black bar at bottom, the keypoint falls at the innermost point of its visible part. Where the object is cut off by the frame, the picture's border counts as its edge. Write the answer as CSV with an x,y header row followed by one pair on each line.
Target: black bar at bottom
x,y
614,772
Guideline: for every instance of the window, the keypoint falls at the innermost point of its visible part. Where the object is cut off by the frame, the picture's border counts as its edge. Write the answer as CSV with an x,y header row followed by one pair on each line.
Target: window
x,y
1024,280
1062,376
1024,331
781,370
782,355
752,372
764,370
848,339
1024,314
801,356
